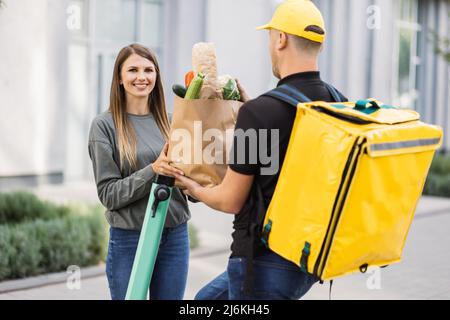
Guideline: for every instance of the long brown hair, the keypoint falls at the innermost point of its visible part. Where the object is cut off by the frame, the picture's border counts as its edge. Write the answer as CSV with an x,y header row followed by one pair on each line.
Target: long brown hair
x,y
126,135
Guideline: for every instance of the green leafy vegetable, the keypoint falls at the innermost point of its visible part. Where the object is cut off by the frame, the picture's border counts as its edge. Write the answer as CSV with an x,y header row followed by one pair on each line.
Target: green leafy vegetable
x,y
231,91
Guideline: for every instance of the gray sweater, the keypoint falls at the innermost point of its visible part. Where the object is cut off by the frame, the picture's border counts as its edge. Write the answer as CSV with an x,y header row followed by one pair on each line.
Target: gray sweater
x,y
125,193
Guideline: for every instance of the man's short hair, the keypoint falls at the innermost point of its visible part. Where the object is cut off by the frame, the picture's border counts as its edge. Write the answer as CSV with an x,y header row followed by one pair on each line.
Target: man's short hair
x,y
305,45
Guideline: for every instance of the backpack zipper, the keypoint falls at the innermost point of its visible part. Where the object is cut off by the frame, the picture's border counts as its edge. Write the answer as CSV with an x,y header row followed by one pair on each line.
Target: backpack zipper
x,y
340,116
347,177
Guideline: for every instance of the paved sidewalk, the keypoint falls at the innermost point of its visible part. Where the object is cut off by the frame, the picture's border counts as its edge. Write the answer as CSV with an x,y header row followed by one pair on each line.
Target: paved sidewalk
x,y
423,273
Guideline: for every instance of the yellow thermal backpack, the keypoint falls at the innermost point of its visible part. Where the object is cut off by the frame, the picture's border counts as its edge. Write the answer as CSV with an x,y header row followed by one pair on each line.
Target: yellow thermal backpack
x,y
349,185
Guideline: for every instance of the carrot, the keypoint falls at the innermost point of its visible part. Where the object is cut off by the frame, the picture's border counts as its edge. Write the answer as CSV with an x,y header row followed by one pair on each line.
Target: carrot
x,y
188,78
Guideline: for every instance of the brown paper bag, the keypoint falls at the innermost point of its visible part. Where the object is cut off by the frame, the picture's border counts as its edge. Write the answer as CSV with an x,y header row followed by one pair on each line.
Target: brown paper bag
x,y
201,137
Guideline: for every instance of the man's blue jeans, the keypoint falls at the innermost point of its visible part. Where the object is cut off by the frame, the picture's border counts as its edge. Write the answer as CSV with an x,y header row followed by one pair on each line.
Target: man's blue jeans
x,y
171,266
275,279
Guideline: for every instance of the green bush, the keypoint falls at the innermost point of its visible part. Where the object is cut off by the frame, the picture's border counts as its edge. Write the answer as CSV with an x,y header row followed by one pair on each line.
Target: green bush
x,y
25,251
437,185
39,237
98,228
6,252
193,237
17,207
41,246
438,180
441,164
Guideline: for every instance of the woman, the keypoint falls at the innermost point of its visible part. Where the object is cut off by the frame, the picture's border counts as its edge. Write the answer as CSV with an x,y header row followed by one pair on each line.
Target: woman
x,y
124,144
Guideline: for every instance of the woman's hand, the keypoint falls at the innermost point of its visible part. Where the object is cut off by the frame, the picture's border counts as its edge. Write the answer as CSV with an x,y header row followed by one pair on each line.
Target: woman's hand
x,y
162,165
244,96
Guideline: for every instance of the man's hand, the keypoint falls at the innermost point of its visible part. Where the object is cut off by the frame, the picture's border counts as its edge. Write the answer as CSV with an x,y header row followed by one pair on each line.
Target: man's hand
x,y
229,196
244,96
190,185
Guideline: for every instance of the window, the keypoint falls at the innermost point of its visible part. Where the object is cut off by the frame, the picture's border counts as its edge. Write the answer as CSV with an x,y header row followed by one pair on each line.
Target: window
x,y
129,21
115,20
407,59
116,24
152,20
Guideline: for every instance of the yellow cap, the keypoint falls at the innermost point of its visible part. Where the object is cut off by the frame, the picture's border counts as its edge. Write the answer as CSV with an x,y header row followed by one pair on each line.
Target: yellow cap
x,y
300,18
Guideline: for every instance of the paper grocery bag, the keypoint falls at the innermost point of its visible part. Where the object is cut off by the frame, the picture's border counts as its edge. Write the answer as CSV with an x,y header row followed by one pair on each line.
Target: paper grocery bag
x,y
201,138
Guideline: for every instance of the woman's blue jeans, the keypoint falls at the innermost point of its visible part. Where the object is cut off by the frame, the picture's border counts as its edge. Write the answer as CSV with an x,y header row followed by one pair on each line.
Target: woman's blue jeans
x,y
275,279
171,267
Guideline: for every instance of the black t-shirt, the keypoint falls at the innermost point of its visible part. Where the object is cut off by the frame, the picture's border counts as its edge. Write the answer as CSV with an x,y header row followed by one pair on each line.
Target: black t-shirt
x,y
259,118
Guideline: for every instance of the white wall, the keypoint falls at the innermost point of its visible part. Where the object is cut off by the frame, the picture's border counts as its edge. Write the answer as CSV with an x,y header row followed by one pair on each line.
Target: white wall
x,y
384,62
346,61
184,26
45,114
242,51
81,109
33,72
434,71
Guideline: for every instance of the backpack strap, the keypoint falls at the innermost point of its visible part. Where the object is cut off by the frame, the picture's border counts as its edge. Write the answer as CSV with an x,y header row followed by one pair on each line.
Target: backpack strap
x,y
288,94
337,97
293,96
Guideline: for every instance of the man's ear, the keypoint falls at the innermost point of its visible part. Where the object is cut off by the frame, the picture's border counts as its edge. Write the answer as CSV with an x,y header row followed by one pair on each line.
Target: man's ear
x,y
282,40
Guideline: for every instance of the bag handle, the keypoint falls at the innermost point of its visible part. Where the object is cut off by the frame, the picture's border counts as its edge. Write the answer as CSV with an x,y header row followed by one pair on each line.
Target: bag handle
x,y
361,106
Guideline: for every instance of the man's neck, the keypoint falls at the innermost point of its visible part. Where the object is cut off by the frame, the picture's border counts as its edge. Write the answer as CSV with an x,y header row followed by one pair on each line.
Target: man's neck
x,y
298,65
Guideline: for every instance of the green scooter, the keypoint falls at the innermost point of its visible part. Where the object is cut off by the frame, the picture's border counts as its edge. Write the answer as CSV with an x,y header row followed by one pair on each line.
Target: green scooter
x,y
150,237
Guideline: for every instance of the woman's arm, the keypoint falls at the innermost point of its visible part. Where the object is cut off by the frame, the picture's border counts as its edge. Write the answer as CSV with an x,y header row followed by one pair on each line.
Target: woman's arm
x,y
114,191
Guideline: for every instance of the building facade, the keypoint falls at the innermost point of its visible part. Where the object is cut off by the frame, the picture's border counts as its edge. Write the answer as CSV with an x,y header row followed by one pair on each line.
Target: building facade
x,y
57,56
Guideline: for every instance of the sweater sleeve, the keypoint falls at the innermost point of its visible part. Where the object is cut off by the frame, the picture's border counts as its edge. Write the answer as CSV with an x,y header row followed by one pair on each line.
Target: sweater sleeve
x,y
114,191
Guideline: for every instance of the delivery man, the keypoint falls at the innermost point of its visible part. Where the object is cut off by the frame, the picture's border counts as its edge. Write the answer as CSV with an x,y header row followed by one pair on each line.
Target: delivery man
x,y
296,32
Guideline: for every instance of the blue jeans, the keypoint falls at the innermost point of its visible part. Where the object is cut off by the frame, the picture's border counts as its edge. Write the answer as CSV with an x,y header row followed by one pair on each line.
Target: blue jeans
x,y
275,279
171,267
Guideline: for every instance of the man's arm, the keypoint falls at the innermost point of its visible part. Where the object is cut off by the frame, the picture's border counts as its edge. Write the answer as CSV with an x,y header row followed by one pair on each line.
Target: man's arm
x,y
228,197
